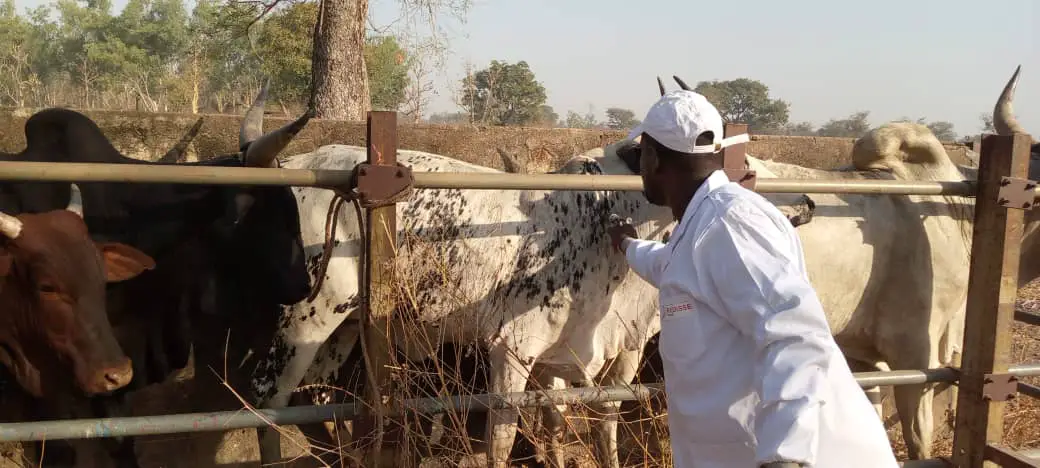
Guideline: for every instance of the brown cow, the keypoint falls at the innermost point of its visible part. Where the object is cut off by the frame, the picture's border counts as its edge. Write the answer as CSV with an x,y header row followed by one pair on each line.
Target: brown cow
x,y
52,293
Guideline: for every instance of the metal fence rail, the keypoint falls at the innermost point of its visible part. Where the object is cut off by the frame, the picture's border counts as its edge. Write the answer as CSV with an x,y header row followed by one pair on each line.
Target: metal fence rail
x,y
240,419
327,178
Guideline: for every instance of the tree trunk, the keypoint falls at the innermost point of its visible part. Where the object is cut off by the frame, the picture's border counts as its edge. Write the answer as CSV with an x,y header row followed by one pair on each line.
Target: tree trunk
x,y
339,79
195,78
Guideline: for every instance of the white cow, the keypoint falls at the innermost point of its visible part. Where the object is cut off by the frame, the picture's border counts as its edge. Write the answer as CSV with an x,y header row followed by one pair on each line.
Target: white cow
x,y
529,275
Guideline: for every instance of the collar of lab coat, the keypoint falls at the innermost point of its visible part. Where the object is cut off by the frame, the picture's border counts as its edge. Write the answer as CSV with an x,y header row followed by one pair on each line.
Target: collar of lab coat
x,y
714,181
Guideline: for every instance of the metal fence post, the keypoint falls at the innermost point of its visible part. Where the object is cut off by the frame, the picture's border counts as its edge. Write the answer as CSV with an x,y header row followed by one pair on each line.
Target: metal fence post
x,y
985,383
382,245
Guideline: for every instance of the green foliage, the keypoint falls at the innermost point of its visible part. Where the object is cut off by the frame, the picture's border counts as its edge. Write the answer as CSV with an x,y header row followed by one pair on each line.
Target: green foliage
x,y
576,120
744,100
504,94
621,119
853,126
448,118
387,65
547,116
941,129
798,129
987,123
285,41
156,55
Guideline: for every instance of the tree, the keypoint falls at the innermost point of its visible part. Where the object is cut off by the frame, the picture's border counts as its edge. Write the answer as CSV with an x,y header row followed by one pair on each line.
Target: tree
x,y
503,94
853,126
621,119
744,100
547,117
799,129
451,118
987,123
576,120
285,44
941,129
387,72
338,76
17,80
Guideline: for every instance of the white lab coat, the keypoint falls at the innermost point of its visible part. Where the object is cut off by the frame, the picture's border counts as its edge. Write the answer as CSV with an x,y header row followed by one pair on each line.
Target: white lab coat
x,y
752,373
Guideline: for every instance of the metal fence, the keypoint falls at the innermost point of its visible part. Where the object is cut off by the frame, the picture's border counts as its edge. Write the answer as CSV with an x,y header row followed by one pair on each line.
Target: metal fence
x,y
978,435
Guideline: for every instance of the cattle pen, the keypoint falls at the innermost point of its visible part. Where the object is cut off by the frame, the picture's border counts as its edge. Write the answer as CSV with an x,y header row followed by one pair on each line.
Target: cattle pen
x,y
986,379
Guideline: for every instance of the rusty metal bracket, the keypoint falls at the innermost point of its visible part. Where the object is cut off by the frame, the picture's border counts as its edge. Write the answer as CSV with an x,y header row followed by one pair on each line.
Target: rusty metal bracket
x,y
379,185
999,387
744,177
1008,458
1016,193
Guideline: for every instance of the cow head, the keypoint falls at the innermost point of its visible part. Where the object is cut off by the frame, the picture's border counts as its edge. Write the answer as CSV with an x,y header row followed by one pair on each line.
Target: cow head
x,y
799,208
258,241
52,288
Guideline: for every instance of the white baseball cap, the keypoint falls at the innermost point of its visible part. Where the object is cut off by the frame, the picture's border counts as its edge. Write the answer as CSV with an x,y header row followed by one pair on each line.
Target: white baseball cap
x,y
679,117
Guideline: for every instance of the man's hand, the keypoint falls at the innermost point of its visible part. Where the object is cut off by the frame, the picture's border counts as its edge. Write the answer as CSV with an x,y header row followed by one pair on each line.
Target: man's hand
x,y
620,229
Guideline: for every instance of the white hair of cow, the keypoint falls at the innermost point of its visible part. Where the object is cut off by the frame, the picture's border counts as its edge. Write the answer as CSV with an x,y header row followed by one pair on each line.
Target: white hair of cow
x,y
10,226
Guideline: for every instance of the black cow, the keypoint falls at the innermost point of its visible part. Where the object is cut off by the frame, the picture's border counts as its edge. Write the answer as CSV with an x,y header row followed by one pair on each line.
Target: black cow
x,y
235,251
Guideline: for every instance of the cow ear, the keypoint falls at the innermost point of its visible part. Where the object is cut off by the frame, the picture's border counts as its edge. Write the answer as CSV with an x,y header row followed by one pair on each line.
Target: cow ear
x,y
123,262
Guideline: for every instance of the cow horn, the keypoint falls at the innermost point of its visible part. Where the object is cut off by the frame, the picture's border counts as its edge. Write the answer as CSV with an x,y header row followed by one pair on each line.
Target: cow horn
x,y
253,122
263,151
75,201
1004,121
10,226
660,85
682,84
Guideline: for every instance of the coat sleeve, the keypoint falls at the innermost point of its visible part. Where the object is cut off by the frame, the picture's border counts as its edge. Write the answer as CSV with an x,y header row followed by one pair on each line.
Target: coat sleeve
x,y
645,257
752,266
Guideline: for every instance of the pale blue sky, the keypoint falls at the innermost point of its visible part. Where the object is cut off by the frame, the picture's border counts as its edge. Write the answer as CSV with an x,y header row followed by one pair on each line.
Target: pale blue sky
x,y
938,59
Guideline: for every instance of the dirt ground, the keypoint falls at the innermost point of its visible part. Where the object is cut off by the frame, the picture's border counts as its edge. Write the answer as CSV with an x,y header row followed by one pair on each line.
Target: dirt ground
x,y
203,391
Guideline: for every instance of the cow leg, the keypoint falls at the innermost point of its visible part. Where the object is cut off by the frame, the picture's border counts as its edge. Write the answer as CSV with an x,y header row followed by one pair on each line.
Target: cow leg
x,y
914,402
322,375
553,420
292,353
621,372
508,374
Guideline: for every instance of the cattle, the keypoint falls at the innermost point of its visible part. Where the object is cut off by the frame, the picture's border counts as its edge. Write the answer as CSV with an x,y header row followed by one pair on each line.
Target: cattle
x,y
54,324
204,239
541,291
1004,120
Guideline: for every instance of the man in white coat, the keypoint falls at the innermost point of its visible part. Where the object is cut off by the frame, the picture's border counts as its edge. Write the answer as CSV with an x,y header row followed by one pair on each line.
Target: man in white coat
x,y
753,376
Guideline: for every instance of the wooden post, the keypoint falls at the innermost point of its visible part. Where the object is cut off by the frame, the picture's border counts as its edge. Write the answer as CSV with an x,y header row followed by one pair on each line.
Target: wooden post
x,y
734,158
381,235
992,288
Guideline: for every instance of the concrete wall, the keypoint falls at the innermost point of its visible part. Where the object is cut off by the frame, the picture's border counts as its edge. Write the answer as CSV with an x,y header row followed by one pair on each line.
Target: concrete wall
x,y
149,136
